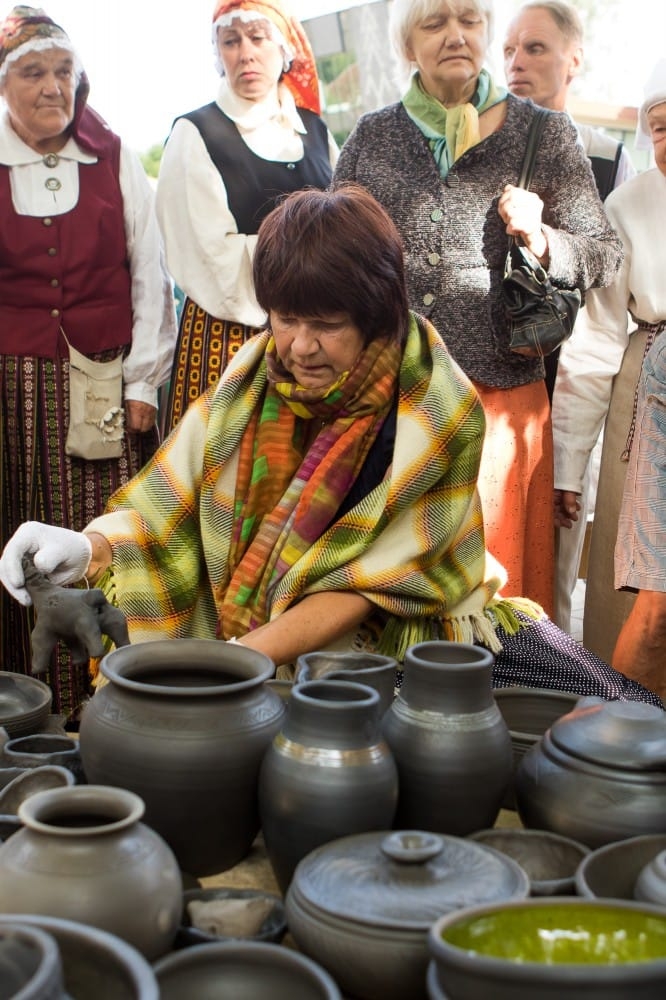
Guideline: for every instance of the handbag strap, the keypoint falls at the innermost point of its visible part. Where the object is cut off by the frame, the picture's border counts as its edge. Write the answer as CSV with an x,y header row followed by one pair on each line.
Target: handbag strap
x,y
527,169
533,140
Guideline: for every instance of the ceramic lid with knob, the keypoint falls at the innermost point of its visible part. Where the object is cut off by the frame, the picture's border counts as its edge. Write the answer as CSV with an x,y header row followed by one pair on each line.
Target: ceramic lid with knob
x,y
630,735
404,879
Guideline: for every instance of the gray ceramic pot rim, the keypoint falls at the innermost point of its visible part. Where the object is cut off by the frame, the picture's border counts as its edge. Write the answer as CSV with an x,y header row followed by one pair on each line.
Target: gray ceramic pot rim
x,y
136,969
562,972
41,981
465,654
524,693
498,834
119,806
253,952
338,661
211,654
337,695
608,850
34,695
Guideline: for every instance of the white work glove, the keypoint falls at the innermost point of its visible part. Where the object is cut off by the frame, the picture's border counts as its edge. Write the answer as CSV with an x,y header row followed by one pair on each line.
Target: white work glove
x,y
63,556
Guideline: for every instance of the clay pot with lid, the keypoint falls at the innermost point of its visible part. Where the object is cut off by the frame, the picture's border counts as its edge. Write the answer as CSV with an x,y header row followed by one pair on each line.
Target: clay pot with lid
x,y
598,775
361,906
185,723
450,741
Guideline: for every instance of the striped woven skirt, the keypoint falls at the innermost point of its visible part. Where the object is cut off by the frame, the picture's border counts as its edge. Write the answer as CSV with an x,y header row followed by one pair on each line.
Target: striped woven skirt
x,y
39,482
204,348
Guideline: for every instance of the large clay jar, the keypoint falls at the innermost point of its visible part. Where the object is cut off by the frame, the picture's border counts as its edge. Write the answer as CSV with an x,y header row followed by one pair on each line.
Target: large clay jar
x,y
598,774
327,774
449,739
185,723
83,854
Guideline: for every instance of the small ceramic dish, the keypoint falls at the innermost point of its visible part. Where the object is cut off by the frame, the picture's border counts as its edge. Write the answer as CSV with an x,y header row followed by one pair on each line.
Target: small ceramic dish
x,y
230,915
242,969
550,860
25,703
611,872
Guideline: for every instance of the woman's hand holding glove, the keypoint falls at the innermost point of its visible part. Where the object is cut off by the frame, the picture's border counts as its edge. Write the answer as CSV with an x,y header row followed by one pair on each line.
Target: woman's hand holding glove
x,y
63,556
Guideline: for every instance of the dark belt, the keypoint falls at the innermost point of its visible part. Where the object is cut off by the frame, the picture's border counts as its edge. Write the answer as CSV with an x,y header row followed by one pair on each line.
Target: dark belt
x,y
653,330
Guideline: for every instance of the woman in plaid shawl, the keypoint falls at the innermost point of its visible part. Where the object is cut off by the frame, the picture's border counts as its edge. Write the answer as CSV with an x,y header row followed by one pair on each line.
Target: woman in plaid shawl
x,y
323,494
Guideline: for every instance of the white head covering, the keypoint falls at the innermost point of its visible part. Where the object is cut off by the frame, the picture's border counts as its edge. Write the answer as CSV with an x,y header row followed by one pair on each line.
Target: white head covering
x,y
655,93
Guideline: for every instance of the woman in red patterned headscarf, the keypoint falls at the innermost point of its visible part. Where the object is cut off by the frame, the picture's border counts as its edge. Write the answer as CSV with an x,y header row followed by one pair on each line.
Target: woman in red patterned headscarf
x,y
224,168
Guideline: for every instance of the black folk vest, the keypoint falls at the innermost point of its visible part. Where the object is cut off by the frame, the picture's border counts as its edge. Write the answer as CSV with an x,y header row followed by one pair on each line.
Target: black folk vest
x,y
254,185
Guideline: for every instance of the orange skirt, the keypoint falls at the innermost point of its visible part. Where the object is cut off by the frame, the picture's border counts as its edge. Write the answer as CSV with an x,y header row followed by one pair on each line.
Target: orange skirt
x,y
516,488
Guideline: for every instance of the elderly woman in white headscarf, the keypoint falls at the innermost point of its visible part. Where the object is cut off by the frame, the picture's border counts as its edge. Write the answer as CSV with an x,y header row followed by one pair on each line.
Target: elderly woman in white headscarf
x,y
224,168
598,381
80,258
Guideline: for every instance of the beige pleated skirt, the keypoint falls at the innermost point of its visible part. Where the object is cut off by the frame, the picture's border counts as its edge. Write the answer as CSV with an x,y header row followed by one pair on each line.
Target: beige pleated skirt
x,y
606,609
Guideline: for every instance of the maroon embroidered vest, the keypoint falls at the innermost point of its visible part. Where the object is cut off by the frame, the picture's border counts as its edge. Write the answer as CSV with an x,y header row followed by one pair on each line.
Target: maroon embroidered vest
x,y
71,269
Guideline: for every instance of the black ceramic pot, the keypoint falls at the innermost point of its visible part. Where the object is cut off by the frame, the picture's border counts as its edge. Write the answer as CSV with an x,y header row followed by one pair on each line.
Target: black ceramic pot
x,y
327,774
598,774
185,723
449,739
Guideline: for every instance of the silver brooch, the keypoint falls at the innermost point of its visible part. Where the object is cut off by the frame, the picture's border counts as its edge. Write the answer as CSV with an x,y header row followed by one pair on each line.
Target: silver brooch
x,y
51,160
52,184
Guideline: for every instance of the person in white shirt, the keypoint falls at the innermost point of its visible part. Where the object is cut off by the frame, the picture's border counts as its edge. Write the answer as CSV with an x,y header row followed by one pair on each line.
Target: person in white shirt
x,y
80,264
598,380
224,167
543,55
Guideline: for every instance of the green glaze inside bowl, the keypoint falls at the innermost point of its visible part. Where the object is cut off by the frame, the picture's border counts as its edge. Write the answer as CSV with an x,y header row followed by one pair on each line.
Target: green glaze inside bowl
x,y
562,935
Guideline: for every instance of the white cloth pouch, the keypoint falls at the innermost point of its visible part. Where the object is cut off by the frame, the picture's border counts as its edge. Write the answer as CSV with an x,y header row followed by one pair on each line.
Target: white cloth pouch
x,y
96,415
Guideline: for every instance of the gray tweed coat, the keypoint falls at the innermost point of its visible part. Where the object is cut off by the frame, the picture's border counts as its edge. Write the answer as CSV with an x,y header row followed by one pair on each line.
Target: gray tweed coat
x,y
455,242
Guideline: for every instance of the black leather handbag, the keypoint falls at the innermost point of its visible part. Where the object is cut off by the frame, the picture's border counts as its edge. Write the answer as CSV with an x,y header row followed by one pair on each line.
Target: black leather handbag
x,y
541,317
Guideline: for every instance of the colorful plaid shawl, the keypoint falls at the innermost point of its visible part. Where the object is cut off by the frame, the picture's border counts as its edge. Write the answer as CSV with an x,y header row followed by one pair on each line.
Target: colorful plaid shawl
x,y
413,546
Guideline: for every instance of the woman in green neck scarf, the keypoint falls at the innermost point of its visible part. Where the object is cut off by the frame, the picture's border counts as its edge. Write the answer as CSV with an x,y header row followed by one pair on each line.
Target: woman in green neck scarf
x,y
444,162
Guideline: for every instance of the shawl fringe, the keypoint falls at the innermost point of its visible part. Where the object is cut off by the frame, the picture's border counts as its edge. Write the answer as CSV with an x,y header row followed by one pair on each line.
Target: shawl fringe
x,y
476,628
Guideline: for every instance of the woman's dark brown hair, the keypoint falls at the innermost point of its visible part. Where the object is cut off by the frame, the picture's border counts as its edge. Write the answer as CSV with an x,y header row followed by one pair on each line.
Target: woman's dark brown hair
x,y
325,252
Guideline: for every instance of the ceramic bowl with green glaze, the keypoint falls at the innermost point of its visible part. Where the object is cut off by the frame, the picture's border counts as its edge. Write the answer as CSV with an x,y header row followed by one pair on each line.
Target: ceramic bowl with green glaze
x,y
549,948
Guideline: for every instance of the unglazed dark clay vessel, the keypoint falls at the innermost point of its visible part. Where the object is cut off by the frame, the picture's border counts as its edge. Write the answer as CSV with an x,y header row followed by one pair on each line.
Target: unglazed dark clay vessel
x,y
242,971
549,949
40,749
84,855
30,967
185,723
611,871
449,739
529,712
327,774
551,861
362,905
96,965
376,671
598,774
25,703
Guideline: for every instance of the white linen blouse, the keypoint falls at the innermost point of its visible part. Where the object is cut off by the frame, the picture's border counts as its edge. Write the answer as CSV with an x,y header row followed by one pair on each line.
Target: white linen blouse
x,y
154,329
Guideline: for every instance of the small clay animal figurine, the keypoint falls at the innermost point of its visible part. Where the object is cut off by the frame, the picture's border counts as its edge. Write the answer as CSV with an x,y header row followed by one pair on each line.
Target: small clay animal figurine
x,y
79,617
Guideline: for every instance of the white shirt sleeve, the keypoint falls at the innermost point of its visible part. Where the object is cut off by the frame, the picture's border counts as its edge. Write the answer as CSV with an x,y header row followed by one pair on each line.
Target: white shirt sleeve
x,y
154,329
588,362
593,356
206,255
